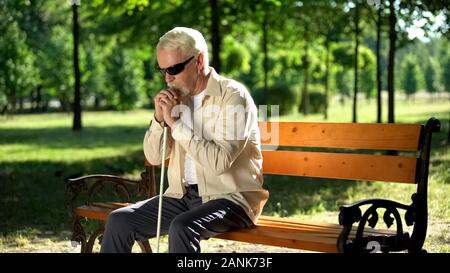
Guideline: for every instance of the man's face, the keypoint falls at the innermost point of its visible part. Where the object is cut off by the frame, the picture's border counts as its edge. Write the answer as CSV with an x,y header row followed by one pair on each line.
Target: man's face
x,y
185,80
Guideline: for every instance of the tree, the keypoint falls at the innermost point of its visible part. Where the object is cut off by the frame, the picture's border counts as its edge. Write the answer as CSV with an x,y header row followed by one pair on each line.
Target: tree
x,y
367,77
343,83
357,31
298,25
57,83
391,59
216,39
236,57
446,77
379,23
125,79
432,77
446,74
410,78
304,103
343,56
409,12
262,10
330,27
264,24
37,19
93,78
77,126
18,73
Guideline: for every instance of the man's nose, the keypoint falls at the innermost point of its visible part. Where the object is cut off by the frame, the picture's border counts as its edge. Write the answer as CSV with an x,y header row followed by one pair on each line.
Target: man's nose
x,y
169,78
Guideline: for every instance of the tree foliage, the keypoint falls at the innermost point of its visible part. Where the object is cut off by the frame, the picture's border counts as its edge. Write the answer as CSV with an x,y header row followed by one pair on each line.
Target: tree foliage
x,y
299,45
18,72
410,81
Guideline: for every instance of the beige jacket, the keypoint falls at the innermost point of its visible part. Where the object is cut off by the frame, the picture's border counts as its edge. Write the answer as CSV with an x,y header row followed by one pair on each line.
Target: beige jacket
x,y
224,142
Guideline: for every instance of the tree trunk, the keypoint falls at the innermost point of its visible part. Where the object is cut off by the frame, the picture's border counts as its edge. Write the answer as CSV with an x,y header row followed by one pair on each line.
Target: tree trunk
x,y
3,109
327,76
265,53
38,98
448,137
378,52
355,91
77,97
215,34
96,102
20,103
390,78
304,104
13,102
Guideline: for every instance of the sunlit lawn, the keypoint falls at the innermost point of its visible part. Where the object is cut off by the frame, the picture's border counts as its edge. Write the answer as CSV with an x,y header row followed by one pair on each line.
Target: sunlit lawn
x,y
411,110
37,152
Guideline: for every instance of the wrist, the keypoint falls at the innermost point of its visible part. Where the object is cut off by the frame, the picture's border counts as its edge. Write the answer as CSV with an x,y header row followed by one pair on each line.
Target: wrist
x,y
170,121
158,120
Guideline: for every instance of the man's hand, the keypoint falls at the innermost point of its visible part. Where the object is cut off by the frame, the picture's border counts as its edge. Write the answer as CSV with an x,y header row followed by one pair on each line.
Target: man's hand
x,y
164,103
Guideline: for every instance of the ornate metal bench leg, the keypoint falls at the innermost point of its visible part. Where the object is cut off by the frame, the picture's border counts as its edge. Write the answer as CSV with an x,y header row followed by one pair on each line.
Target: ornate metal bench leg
x,y
98,233
88,246
78,234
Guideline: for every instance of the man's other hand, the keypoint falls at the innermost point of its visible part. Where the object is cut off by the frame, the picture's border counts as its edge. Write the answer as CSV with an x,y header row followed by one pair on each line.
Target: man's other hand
x,y
167,97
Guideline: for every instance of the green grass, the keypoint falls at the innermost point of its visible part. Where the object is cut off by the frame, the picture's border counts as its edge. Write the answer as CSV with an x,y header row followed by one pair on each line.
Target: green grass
x,y
37,152
406,111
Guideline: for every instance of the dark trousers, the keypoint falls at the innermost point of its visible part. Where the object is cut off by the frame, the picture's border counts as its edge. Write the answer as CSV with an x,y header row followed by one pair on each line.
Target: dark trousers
x,y
186,220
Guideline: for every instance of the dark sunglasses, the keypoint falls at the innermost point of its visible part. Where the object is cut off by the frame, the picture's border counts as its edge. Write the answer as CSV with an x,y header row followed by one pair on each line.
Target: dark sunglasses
x,y
175,69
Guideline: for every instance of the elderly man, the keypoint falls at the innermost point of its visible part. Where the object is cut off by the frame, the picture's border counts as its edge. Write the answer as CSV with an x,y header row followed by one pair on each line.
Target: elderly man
x,y
214,174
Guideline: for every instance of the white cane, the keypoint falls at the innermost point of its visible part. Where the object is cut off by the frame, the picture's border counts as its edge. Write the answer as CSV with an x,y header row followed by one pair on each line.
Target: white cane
x,y
161,185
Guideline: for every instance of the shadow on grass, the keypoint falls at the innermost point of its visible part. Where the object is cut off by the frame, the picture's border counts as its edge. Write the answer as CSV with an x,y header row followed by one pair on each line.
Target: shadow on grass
x,y
32,193
304,195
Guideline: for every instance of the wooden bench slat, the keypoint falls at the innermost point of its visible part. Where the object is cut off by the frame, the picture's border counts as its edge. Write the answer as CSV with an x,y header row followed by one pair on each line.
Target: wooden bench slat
x,y
110,205
300,237
341,166
292,238
305,225
250,237
99,211
93,212
401,137
273,219
327,230
264,221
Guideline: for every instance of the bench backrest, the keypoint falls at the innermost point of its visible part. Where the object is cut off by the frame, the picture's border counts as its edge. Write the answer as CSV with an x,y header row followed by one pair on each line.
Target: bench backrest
x,y
356,150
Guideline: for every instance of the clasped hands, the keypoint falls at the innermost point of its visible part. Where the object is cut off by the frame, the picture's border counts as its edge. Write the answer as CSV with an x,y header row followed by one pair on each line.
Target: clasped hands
x,y
165,101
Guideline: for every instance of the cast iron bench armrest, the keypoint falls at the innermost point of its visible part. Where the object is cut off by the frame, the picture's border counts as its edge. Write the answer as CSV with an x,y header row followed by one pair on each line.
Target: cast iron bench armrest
x,y
92,184
350,214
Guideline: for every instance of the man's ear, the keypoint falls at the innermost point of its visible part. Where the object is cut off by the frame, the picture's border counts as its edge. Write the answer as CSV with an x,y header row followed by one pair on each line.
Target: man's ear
x,y
200,61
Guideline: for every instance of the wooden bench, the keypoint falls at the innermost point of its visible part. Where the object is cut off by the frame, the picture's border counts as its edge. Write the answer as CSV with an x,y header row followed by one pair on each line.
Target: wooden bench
x,y
345,151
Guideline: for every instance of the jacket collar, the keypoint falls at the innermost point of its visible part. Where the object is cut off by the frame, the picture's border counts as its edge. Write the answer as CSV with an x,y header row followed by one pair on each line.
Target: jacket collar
x,y
213,87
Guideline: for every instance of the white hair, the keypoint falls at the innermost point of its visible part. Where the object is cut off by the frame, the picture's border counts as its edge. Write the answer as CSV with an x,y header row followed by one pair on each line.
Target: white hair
x,y
190,41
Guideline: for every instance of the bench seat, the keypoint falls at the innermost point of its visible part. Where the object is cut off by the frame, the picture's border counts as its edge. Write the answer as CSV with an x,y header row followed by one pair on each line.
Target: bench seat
x,y
284,232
